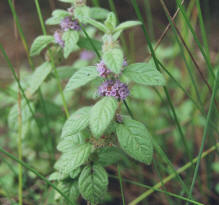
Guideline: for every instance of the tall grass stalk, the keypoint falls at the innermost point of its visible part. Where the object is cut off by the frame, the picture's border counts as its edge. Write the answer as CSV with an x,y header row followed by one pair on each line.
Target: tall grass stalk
x,y
24,42
19,85
19,147
19,134
149,18
209,66
52,59
36,173
156,167
138,13
203,31
157,190
121,185
209,116
172,176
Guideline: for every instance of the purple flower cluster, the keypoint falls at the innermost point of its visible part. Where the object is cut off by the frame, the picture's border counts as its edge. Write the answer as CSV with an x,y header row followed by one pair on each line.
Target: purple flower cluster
x,y
68,24
87,55
114,88
102,69
58,38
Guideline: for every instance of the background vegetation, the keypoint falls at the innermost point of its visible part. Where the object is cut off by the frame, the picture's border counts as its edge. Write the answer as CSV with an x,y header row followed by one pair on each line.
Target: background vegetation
x,y
181,116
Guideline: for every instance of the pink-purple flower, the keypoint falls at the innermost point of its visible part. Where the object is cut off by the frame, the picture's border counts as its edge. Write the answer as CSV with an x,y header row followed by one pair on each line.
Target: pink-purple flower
x,y
114,88
68,24
58,38
102,69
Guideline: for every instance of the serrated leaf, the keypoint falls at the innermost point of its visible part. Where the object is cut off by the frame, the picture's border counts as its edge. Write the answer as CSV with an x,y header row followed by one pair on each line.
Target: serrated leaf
x,y
82,77
97,24
38,77
109,155
76,122
93,182
56,176
135,140
82,13
75,173
70,189
69,143
74,191
144,73
126,25
98,13
113,59
110,22
65,72
40,43
70,38
73,159
101,115
57,16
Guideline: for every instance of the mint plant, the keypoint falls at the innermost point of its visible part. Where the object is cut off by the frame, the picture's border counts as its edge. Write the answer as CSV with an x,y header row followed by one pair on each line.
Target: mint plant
x,y
91,132
98,135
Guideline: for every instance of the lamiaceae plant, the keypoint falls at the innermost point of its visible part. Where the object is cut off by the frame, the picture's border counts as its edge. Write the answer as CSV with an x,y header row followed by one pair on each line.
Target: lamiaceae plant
x,y
99,135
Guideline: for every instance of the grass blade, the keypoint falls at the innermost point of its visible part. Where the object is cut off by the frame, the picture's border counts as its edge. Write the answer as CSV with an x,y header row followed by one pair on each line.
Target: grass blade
x,y
35,172
210,112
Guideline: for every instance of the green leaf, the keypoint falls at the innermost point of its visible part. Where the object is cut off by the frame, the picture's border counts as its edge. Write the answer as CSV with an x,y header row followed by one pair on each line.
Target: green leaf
x,y
75,173
57,16
70,38
56,176
74,191
82,77
70,142
38,77
144,73
110,22
76,122
126,25
40,43
101,115
65,72
98,25
82,13
113,59
70,189
109,155
135,140
93,183
98,13
73,159
85,43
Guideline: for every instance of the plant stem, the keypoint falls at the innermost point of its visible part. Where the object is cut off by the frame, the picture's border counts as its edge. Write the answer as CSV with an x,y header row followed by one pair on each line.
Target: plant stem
x,y
36,173
121,186
210,69
158,190
172,176
52,59
210,112
20,170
